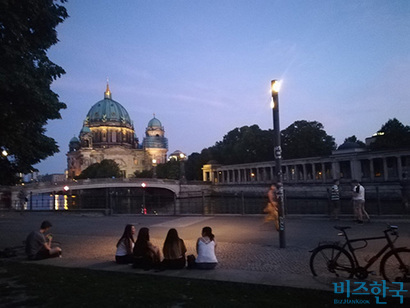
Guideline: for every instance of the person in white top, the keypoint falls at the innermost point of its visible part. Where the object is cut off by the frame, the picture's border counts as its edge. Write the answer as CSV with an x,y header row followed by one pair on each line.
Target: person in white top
x,y
358,202
205,248
125,245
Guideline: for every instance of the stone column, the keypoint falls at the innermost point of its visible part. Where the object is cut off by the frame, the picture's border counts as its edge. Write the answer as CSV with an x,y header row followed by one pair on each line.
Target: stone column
x,y
287,173
304,172
335,170
313,172
323,173
385,170
399,168
371,169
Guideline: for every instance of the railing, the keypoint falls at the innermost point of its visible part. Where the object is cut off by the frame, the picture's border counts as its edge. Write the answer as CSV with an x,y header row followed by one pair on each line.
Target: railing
x,y
235,204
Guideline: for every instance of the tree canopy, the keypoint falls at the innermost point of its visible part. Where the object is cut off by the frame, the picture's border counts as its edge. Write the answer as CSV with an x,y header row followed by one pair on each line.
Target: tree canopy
x,y
392,135
306,139
243,145
27,31
301,139
251,144
107,168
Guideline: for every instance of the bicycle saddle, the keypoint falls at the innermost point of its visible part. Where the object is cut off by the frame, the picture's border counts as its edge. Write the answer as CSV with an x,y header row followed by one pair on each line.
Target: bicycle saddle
x,y
341,228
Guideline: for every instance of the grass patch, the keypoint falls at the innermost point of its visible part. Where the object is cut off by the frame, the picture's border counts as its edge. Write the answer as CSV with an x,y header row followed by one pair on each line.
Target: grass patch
x,y
49,286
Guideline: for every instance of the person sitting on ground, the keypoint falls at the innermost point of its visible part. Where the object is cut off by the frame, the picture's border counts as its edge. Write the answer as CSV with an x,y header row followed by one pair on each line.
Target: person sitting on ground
x,y
205,248
174,251
125,245
146,255
38,246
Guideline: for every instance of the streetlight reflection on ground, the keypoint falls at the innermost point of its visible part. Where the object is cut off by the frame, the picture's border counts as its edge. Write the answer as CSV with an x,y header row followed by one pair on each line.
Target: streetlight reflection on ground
x,y
275,87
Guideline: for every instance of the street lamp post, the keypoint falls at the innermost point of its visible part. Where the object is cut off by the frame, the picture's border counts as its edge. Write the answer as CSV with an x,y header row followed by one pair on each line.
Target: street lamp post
x,y
182,158
275,86
154,171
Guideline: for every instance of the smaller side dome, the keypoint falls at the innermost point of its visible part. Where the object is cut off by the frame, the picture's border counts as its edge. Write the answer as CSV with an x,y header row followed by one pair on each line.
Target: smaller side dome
x,y
154,122
74,140
177,155
74,144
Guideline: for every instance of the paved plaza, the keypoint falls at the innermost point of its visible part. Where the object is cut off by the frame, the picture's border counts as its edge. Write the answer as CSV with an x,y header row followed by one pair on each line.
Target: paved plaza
x,y
248,249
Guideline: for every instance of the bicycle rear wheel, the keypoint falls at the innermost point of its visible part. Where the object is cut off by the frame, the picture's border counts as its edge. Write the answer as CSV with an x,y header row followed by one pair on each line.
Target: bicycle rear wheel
x,y
392,269
331,263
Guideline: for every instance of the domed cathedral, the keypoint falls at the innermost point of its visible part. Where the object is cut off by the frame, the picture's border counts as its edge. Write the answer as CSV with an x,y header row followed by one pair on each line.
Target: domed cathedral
x,y
108,133
154,142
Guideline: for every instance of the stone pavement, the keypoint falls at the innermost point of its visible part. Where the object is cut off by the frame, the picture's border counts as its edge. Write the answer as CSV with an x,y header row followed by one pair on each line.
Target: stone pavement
x,y
248,249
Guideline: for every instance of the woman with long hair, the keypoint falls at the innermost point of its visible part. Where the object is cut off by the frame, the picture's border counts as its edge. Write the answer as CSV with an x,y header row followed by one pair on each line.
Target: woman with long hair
x,y
205,248
174,251
146,255
125,245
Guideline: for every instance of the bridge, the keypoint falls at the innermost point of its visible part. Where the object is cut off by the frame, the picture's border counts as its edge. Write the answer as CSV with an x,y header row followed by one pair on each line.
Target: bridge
x,y
56,193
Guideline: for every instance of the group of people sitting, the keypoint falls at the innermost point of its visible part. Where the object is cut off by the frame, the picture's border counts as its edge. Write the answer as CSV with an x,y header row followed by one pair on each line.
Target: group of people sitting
x,y
143,254
140,252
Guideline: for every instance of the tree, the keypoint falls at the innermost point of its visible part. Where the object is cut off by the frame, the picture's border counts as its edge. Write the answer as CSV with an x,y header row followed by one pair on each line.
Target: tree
x,y
169,170
194,164
145,174
108,168
392,135
27,31
250,144
306,139
244,145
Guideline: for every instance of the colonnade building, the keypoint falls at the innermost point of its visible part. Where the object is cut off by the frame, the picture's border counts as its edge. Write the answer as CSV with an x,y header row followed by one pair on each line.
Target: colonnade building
x,y
347,163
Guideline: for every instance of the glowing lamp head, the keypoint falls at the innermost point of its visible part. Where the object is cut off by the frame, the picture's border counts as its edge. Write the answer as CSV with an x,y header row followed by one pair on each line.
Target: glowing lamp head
x,y
66,188
154,161
275,86
143,185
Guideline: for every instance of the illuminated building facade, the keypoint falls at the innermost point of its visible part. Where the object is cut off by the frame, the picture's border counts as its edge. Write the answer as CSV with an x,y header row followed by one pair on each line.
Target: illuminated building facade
x,y
108,133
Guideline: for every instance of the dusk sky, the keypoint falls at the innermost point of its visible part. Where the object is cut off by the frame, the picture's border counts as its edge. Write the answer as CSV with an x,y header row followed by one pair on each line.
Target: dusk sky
x,y
205,67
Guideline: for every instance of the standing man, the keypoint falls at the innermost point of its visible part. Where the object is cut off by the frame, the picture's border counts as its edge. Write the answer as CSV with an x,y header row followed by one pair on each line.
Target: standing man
x,y
38,246
272,207
358,202
335,200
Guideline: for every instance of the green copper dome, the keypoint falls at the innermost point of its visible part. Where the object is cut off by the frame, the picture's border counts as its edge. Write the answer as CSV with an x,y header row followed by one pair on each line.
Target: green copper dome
x,y
154,122
74,140
108,111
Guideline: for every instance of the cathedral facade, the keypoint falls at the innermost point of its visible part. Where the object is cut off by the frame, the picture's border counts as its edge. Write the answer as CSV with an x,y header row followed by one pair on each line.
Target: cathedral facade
x,y
108,133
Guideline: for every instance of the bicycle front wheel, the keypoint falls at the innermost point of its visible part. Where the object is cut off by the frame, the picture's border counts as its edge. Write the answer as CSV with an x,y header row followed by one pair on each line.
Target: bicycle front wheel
x,y
331,263
395,265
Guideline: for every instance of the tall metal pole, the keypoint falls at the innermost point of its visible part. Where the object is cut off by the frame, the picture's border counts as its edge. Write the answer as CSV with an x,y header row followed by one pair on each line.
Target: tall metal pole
x,y
278,163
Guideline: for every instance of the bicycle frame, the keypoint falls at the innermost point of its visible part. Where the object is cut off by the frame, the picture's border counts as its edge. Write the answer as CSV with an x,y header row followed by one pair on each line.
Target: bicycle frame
x,y
373,259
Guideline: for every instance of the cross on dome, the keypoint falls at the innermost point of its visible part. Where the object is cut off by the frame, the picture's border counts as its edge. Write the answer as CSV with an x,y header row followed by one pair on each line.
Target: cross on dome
x,y
107,93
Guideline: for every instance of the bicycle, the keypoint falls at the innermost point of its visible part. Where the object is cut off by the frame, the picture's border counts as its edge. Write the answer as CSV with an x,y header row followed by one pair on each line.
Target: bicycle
x,y
340,261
